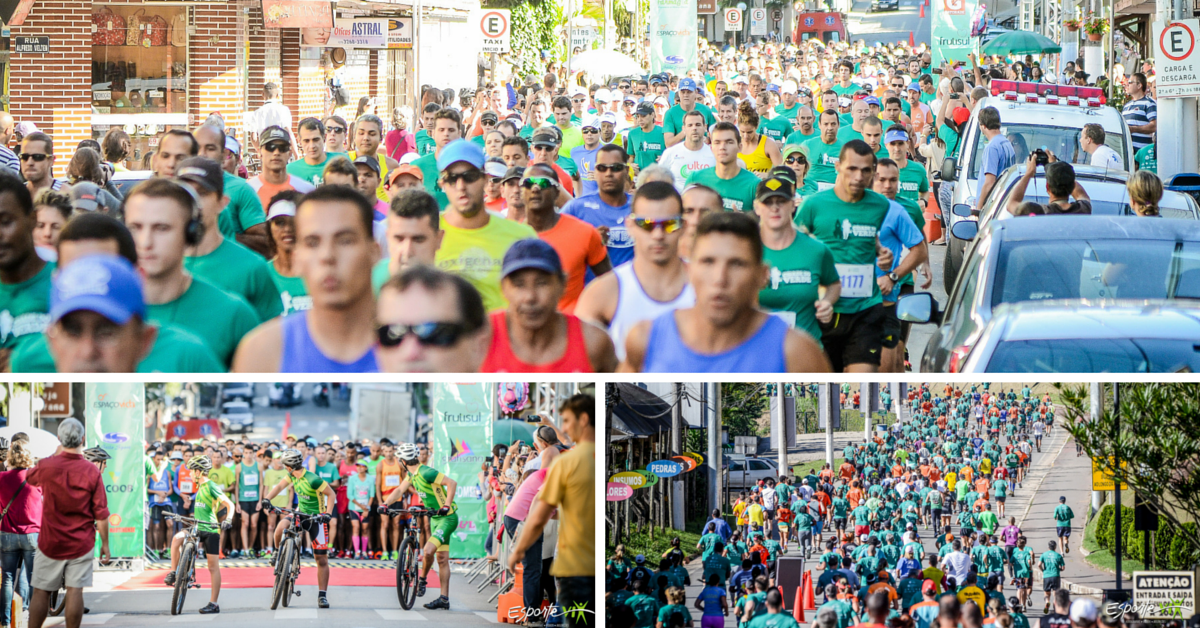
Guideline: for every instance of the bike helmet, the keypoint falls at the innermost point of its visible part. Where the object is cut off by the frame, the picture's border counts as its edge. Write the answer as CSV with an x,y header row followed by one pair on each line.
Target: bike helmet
x,y
200,463
96,454
407,452
292,459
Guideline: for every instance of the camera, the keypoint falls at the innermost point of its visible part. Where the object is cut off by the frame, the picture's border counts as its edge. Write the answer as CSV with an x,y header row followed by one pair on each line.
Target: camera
x,y
937,70
1040,156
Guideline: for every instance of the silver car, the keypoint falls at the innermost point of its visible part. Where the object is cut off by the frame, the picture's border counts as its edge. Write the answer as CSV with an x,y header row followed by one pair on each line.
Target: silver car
x,y
237,416
1071,337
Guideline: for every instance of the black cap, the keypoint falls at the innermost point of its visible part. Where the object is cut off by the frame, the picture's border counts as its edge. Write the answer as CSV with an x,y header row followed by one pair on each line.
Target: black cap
x,y
783,172
203,172
645,108
489,115
775,186
370,162
544,137
515,172
274,134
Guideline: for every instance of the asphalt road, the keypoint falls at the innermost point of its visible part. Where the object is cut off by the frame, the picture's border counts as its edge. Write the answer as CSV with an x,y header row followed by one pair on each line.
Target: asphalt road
x,y
919,336
889,26
307,418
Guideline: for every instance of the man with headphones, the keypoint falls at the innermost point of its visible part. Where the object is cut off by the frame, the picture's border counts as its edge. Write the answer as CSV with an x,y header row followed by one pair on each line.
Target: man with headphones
x,y
163,216
209,500
222,261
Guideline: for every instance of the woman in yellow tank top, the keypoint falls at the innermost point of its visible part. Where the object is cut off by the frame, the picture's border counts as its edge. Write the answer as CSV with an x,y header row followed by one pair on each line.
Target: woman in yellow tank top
x,y
759,152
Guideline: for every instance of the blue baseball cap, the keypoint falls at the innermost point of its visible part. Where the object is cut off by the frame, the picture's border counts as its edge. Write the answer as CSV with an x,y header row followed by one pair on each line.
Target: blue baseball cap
x,y
105,284
531,253
688,84
461,150
914,86
895,135
871,100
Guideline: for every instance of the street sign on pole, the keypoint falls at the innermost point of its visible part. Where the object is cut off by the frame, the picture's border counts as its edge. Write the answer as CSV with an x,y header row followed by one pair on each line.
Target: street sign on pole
x,y
733,20
1102,478
1177,62
777,15
705,7
494,29
758,21
1164,594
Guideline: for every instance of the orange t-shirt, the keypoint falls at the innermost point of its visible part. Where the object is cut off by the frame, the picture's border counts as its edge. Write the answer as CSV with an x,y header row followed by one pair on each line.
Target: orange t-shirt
x,y
267,191
389,474
854,496
847,470
579,246
966,474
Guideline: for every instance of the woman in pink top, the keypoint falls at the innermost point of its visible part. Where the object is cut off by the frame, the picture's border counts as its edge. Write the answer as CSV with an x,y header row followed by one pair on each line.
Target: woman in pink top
x,y
517,511
19,529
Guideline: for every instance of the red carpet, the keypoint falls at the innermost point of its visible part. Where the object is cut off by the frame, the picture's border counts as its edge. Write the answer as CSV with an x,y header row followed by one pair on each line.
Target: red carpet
x,y
264,577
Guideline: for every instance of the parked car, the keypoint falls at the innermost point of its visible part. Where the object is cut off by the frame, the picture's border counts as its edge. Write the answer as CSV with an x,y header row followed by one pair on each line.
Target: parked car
x,y
237,416
281,395
126,181
885,5
242,391
745,473
1072,337
1090,259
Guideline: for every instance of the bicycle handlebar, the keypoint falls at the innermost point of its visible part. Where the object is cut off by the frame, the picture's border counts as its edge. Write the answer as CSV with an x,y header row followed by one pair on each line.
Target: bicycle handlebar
x,y
290,511
180,518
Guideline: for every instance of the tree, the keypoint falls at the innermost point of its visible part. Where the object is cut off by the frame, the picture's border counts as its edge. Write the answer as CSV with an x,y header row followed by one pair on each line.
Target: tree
x,y
743,404
1154,437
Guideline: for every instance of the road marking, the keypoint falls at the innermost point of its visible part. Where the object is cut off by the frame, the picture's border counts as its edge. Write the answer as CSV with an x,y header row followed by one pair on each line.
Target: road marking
x,y
190,618
491,617
392,614
88,620
296,613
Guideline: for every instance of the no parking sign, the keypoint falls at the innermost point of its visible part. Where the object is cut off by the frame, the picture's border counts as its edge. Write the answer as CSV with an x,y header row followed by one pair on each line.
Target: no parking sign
x,y
494,29
1177,62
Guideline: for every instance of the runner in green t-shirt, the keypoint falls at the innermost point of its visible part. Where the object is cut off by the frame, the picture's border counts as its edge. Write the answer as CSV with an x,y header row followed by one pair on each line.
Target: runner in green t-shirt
x,y
209,500
1022,568
1051,563
437,495
734,183
646,142
1062,520
823,151
316,498
1147,158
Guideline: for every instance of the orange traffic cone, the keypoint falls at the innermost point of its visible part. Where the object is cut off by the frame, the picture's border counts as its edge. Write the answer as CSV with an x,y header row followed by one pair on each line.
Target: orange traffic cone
x,y
911,42
810,598
798,606
922,10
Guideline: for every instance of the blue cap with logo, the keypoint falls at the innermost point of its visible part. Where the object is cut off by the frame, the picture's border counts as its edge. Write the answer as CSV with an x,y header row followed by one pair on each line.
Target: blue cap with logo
x,y
461,150
105,284
531,253
895,134
688,84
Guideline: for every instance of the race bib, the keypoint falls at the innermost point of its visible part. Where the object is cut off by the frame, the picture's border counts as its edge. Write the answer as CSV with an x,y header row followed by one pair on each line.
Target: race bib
x,y
250,479
822,186
391,480
250,495
857,280
785,316
185,487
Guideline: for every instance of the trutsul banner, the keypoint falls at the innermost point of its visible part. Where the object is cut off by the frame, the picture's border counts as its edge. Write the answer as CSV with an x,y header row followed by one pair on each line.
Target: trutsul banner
x,y
950,31
462,438
672,36
114,419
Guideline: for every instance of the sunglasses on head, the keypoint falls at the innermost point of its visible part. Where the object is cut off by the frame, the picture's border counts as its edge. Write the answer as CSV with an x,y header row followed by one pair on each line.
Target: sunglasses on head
x,y
276,147
669,225
434,334
470,176
541,182
610,167
38,157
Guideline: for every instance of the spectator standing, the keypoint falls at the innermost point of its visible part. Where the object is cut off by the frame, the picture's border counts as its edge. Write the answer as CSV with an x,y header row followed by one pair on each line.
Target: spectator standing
x,y
273,113
75,508
1140,112
998,155
8,159
20,522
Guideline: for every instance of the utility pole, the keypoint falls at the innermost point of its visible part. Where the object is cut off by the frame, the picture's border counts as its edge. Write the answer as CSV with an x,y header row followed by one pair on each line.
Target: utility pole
x,y
864,404
1097,407
712,400
1117,485
779,431
826,397
677,497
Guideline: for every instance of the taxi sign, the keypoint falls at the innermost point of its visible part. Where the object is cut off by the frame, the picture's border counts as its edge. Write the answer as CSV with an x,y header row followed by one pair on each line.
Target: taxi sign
x,y
618,492
632,479
733,20
1164,594
1177,62
665,468
494,29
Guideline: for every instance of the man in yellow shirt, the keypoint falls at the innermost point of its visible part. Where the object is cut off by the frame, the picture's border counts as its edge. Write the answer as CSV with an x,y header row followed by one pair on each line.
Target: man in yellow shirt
x,y
570,487
755,512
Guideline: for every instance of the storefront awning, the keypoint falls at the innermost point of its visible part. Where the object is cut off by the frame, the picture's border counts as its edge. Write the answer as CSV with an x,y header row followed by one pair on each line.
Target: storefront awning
x,y
639,412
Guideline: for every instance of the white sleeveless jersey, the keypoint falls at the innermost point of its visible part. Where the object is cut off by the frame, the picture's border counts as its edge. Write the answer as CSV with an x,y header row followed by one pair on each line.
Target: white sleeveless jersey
x,y
635,306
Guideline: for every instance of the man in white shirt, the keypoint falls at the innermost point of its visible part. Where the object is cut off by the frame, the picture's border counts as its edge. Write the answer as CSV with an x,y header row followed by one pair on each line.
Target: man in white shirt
x,y
1092,142
956,564
273,113
690,155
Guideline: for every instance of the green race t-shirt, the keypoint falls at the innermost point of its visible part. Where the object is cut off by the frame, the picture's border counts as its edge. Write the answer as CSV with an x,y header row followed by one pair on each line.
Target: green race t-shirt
x,y
430,486
208,502
292,292
798,137
850,230
477,254
25,308
673,119
1052,564
790,114
301,169
238,270
244,209
1147,158
217,317
425,144
328,472
646,147
797,272
1022,562
249,479
846,91
175,350
822,159
913,182
737,193
310,494
429,176
380,274
776,129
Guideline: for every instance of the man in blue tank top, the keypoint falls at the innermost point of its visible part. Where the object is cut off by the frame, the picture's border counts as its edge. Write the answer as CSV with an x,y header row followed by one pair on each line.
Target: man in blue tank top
x,y
335,251
724,332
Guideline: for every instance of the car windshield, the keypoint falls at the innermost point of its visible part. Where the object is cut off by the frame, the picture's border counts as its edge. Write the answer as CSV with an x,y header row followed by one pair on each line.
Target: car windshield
x,y
1123,355
1037,270
1062,141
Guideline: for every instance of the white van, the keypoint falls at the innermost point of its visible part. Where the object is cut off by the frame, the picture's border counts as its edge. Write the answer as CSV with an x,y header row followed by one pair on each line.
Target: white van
x,y
1032,116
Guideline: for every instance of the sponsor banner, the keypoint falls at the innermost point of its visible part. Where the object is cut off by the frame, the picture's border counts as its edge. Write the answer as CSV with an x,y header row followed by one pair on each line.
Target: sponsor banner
x,y
950,35
360,32
195,429
114,415
672,36
400,33
297,14
462,438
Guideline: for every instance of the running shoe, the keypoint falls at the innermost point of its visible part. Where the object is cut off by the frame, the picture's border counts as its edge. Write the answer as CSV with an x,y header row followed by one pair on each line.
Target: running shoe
x,y
210,609
440,603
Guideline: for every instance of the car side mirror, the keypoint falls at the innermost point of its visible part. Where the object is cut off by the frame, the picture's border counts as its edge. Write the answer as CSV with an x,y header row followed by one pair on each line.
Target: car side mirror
x,y
965,230
919,308
962,209
949,169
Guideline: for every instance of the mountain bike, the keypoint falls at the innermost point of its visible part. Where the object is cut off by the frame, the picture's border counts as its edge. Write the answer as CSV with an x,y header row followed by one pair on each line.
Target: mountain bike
x,y
408,562
185,571
287,560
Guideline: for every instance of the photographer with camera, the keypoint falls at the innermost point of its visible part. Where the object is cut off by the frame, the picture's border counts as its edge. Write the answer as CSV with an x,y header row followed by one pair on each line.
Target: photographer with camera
x,y
1061,186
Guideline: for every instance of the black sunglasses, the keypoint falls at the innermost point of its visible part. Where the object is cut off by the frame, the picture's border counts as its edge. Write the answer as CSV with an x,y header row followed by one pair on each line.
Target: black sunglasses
x,y
609,168
470,176
436,334
335,129
276,147
38,157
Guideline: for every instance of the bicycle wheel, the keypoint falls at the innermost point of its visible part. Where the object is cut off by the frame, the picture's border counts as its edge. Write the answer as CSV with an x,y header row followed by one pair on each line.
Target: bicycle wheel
x,y
183,573
293,572
407,571
282,575
58,601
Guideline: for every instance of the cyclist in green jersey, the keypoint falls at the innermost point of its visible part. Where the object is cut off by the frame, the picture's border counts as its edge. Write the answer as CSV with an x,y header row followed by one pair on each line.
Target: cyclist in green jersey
x,y
209,499
437,494
315,497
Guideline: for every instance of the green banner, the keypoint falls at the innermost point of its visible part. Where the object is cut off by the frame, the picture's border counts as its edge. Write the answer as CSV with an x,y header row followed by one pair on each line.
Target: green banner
x,y
950,30
673,36
463,415
115,418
